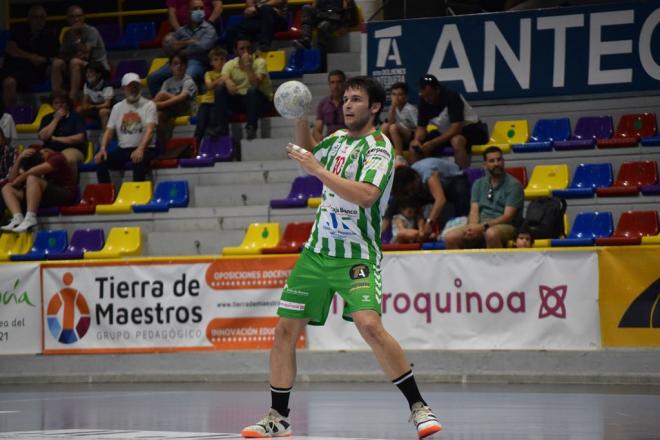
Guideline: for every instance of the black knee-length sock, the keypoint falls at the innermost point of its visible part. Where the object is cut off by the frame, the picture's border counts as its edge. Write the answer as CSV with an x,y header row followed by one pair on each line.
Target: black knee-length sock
x,y
408,386
280,399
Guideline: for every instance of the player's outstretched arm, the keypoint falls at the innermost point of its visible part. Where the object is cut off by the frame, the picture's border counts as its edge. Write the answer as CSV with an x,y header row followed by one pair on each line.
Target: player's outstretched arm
x,y
303,134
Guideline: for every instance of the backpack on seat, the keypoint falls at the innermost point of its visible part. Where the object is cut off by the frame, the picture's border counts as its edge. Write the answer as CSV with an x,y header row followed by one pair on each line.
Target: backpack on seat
x,y
545,217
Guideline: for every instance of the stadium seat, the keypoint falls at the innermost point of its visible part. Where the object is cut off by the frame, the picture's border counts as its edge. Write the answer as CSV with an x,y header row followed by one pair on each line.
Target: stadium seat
x,y
175,148
94,194
519,173
311,60
213,149
652,141
110,32
48,212
33,127
257,237
232,21
631,129
169,194
121,242
62,32
314,202
586,179
130,193
182,120
133,35
632,226
631,177
545,242
88,163
302,188
473,174
45,242
156,43
294,32
156,64
587,130
275,60
21,114
434,245
294,237
544,134
13,244
390,247
505,134
82,240
587,227
138,66
545,179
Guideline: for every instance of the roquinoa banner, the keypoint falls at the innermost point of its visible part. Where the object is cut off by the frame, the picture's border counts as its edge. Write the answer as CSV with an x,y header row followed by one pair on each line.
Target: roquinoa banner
x,y
20,309
481,300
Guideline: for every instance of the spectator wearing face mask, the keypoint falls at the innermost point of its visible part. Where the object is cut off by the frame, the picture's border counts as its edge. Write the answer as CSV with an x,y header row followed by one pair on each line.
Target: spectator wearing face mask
x,y
134,121
178,12
193,40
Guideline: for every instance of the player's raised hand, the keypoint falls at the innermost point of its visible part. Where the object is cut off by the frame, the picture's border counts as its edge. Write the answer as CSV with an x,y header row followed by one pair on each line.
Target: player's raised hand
x,y
304,157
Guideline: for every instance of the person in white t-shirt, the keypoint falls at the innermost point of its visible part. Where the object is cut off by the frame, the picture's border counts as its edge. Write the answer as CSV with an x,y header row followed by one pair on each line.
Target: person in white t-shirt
x,y
401,121
134,120
97,94
7,126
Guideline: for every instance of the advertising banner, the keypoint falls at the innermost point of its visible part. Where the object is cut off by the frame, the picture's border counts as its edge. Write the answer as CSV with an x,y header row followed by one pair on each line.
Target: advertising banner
x,y
20,309
559,51
630,296
481,300
219,304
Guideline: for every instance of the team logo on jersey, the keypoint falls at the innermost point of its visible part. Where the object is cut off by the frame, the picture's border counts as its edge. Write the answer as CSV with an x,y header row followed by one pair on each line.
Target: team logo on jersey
x,y
359,271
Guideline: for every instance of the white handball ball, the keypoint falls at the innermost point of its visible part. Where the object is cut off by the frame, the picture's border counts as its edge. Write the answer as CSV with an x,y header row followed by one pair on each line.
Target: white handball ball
x,y
293,99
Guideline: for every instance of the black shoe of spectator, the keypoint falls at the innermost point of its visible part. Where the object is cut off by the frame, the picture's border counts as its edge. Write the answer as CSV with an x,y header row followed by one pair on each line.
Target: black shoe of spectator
x,y
302,43
250,132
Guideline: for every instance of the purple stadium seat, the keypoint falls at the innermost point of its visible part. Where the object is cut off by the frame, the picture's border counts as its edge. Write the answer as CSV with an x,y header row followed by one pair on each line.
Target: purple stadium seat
x,y
220,149
83,240
587,130
22,114
473,174
302,188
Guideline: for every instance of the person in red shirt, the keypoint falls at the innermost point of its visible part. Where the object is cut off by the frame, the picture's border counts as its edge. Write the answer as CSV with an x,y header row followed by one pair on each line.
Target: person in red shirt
x,y
39,178
179,14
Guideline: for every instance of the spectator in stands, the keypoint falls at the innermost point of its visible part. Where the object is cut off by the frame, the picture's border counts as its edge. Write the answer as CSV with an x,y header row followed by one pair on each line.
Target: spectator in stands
x,y
329,111
408,224
64,130
261,19
177,97
457,124
327,16
178,12
29,52
206,117
496,208
7,125
435,181
82,44
401,121
524,238
134,121
97,94
193,40
7,157
40,177
246,88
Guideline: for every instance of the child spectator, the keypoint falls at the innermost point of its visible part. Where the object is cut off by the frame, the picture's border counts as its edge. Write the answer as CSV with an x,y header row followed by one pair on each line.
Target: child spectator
x,y
176,98
408,224
524,238
212,79
97,94
401,121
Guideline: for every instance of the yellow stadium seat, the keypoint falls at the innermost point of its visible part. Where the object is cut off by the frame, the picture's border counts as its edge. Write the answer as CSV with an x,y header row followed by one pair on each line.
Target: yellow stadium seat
x,y
313,202
130,193
275,60
546,178
121,242
652,240
89,153
12,244
182,120
34,126
505,134
156,64
257,237
62,32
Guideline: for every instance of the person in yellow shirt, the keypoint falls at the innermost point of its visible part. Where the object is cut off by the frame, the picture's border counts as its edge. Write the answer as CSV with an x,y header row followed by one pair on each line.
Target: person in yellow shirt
x,y
206,117
246,89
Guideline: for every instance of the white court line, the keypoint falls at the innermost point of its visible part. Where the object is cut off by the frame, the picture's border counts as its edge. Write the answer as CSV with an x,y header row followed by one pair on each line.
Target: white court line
x,y
112,434
91,395
8,412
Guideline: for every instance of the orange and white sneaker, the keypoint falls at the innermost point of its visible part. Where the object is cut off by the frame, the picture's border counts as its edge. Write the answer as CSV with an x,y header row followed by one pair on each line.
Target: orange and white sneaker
x,y
273,424
424,419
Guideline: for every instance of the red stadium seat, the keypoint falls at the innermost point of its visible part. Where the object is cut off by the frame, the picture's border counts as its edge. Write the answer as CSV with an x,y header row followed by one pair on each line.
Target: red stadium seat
x,y
519,173
95,194
631,228
295,236
175,148
157,42
631,177
631,128
402,247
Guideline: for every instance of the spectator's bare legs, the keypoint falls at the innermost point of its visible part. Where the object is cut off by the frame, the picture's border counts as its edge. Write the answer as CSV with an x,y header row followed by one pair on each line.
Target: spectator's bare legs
x,y
76,69
459,144
34,188
400,137
454,238
283,354
57,73
406,236
13,198
493,239
387,350
9,91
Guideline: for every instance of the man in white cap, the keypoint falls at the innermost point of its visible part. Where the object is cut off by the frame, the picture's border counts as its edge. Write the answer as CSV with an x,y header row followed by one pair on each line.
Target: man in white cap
x,y
134,120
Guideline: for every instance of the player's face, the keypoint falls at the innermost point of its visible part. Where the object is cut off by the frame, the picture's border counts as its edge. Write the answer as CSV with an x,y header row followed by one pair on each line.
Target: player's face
x,y
495,164
357,113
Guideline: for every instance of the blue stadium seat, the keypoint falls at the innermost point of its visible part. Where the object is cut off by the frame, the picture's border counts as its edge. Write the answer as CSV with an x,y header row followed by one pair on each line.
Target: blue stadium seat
x,y
586,179
134,34
45,243
170,194
587,227
545,133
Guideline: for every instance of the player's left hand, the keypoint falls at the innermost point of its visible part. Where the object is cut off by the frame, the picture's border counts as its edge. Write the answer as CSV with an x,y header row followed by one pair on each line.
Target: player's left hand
x,y
305,158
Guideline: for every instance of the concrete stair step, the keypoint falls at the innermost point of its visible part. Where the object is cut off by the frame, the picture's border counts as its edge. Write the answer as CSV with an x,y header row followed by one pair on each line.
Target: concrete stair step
x,y
239,195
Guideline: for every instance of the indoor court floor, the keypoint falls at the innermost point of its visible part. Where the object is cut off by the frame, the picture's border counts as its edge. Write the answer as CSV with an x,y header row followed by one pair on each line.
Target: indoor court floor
x,y
328,411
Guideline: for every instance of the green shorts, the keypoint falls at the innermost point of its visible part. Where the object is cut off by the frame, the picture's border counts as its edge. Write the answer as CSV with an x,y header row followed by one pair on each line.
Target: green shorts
x,y
314,280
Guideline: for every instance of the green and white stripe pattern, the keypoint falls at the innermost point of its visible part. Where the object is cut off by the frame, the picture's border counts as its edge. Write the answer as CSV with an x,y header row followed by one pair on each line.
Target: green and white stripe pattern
x,y
343,229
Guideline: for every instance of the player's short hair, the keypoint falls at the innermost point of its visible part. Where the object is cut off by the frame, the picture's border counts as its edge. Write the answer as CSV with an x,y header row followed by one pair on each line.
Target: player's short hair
x,y
373,88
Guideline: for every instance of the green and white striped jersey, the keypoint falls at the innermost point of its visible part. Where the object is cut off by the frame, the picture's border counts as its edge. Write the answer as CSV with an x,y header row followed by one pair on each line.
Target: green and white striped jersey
x,y
344,229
